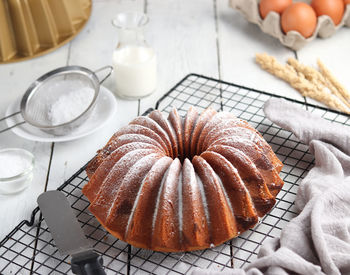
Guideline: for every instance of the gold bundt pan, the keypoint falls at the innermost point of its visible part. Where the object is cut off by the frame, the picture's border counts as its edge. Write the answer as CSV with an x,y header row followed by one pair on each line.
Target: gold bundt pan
x,y
29,28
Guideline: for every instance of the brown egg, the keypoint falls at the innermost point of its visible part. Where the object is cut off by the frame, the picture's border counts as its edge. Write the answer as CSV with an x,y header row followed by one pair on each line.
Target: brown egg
x,y
299,17
333,8
278,6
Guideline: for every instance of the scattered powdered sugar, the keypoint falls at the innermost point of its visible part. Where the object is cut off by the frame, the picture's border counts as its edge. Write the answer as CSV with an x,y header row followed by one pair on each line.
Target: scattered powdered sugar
x,y
12,165
204,198
180,202
70,105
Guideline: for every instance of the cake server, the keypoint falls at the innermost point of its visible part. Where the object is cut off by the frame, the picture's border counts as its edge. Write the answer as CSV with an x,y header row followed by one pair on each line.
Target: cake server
x,y
68,235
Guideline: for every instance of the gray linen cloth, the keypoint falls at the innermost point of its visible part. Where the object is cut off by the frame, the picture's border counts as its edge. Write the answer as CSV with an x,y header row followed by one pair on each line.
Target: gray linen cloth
x,y
317,241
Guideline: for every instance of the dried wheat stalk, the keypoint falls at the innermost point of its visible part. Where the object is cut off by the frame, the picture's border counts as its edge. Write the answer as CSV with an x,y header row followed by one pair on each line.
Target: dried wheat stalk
x,y
310,73
317,78
331,78
307,81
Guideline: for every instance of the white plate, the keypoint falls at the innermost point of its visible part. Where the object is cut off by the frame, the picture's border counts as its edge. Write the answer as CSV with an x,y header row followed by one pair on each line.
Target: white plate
x,y
105,108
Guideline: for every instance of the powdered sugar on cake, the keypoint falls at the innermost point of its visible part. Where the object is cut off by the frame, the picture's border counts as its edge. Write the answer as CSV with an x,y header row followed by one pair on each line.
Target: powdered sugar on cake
x,y
193,205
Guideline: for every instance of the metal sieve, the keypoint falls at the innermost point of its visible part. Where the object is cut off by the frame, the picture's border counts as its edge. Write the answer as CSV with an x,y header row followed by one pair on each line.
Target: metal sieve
x,y
37,103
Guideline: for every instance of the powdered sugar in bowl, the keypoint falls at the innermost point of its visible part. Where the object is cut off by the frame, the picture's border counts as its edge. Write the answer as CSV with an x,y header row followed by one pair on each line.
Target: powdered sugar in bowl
x,y
61,100
16,170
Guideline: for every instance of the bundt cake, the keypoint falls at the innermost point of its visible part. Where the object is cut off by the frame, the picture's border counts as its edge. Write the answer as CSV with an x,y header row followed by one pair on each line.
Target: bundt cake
x,y
182,184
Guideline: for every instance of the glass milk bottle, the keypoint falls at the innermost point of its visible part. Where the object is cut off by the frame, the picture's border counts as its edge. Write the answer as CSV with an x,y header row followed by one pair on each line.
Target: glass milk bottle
x,y
134,62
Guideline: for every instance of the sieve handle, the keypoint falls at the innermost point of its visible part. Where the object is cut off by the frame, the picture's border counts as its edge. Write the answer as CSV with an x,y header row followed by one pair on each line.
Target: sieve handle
x,y
13,126
110,68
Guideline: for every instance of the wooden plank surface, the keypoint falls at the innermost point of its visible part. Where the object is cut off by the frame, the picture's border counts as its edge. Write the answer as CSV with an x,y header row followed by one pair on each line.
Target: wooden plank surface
x,y
200,36
239,41
93,49
333,52
15,78
183,34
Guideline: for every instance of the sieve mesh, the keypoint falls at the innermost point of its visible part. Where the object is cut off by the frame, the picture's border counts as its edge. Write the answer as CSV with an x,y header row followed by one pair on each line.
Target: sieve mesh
x,y
43,100
60,100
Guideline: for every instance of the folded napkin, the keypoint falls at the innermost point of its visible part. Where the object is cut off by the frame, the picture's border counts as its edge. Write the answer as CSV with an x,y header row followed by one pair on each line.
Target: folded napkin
x,y
317,241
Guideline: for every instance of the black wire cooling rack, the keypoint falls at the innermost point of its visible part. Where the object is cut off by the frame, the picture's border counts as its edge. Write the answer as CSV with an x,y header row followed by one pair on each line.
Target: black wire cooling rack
x,y
29,249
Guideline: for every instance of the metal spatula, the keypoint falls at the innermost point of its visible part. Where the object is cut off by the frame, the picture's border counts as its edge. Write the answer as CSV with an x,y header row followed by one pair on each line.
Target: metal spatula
x,y
68,235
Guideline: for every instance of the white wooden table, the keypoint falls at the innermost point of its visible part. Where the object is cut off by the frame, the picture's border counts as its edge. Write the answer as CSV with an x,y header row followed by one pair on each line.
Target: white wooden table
x,y
200,36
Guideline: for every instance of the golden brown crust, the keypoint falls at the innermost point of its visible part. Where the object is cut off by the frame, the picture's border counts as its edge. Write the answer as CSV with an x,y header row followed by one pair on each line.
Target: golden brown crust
x,y
176,123
201,121
158,117
142,194
222,225
239,197
195,229
166,231
140,226
189,125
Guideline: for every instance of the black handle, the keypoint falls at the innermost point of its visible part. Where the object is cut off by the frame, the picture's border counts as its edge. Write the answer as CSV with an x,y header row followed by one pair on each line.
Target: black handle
x,y
87,263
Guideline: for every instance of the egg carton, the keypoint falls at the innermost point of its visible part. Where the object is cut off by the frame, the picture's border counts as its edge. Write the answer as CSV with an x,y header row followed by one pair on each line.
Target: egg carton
x,y
293,39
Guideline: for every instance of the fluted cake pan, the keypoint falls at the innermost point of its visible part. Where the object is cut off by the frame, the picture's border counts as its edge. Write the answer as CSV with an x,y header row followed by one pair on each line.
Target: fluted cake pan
x,y
271,24
29,28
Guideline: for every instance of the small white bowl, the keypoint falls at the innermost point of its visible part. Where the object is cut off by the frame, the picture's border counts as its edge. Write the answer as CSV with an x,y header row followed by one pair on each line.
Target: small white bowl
x,y
22,176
